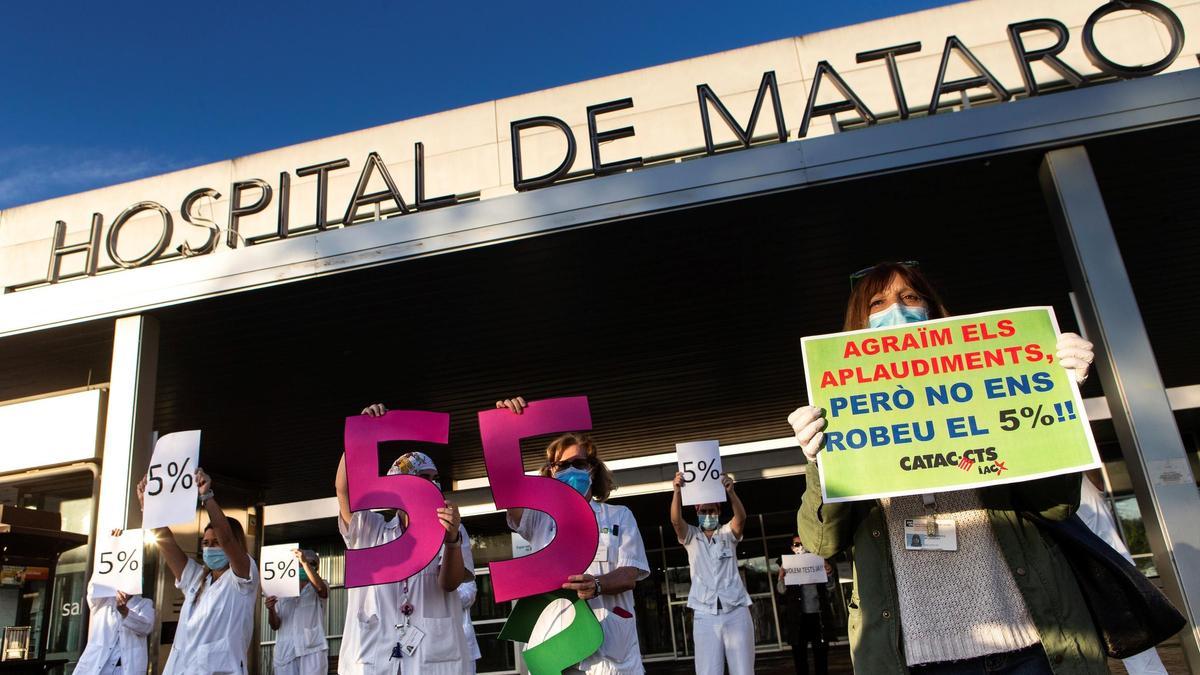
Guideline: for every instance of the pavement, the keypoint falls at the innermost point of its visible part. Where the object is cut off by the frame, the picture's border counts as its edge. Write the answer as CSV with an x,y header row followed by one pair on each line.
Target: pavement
x,y
780,663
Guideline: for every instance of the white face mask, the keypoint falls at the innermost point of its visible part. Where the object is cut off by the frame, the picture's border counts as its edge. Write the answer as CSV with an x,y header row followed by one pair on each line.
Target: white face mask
x,y
797,549
897,315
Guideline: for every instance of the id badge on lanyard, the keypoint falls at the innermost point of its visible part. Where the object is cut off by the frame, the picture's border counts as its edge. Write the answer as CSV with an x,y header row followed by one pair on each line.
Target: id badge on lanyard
x,y
930,533
605,542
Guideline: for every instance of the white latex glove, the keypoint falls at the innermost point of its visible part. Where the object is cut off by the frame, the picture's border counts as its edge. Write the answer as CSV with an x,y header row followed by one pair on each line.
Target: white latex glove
x,y
807,423
1075,354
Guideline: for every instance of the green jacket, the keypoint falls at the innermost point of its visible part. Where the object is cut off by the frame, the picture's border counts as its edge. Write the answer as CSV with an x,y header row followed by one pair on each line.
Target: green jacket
x,y
1042,574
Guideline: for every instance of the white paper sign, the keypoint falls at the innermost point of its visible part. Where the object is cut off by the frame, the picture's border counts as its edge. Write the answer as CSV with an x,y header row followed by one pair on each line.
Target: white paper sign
x,y
280,571
171,480
806,568
520,546
700,464
118,564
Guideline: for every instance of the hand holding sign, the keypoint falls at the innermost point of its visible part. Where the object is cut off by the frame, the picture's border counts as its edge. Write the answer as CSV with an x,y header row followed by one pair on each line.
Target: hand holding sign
x,y
279,571
417,497
805,568
700,464
948,404
574,547
170,484
118,564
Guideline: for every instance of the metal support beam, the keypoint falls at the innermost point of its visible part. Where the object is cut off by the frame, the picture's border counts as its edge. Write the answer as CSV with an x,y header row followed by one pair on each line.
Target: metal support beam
x,y
1141,413
128,426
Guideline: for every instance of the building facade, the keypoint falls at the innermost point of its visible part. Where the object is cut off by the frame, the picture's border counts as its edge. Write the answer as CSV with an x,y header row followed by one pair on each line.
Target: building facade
x,y
658,241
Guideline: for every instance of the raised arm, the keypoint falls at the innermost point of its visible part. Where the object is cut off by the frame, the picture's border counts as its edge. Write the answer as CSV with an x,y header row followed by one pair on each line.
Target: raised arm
x,y
239,560
341,486
453,570
137,613
739,510
517,406
165,539
314,576
826,529
677,522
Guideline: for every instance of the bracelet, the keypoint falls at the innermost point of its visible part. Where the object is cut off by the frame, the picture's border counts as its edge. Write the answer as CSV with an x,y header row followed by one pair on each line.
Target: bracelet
x,y
457,539
597,579
205,497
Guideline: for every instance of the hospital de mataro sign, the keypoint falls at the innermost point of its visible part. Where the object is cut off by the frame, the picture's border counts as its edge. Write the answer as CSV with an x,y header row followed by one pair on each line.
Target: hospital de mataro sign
x,y
254,195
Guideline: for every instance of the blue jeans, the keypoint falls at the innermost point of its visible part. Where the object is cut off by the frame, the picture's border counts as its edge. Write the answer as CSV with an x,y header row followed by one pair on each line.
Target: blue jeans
x,y
1028,661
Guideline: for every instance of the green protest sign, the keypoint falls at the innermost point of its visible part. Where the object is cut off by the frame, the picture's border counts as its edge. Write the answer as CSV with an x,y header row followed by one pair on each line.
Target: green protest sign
x,y
948,404
563,649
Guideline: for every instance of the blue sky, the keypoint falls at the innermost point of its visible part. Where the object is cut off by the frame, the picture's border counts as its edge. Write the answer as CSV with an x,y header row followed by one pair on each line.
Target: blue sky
x,y
97,93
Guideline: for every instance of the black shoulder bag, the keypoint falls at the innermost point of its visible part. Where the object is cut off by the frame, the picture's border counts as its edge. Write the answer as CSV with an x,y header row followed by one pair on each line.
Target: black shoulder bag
x,y
1130,613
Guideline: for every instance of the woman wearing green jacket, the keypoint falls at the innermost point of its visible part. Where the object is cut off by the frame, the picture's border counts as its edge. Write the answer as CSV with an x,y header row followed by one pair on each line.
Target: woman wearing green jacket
x,y
1006,600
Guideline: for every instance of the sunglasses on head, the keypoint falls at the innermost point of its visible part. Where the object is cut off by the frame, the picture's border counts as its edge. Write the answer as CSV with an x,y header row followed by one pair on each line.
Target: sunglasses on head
x,y
582,463
911,264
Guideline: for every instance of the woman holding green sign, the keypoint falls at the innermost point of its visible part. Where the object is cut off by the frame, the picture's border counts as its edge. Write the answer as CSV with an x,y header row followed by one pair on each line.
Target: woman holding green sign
x,y
1004,600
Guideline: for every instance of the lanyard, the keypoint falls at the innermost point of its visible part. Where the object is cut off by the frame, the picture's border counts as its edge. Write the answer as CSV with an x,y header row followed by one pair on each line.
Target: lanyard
x,y
930,510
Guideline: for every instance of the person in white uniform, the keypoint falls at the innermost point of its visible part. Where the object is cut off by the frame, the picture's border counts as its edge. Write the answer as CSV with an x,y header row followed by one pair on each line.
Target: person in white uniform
x,y
299,623
723,630
216,619
467,591
620,561
423,610
117,630
1094,512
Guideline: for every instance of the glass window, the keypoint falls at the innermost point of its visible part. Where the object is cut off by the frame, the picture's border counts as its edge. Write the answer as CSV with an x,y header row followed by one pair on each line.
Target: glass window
x,y
653,612
71,497
1129,517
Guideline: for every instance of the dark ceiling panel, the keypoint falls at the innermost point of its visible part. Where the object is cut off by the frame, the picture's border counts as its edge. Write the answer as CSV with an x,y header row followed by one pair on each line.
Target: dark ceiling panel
x,y
1149,186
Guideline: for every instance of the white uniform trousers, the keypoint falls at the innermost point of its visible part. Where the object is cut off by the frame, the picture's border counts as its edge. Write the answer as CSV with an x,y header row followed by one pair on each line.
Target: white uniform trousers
x,y
1145,663
724,638
316,663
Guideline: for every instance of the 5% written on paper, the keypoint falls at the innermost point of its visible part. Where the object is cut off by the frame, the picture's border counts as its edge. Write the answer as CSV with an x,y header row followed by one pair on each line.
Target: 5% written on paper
x,y
705,469
177,473
123,560
280,569
1014,418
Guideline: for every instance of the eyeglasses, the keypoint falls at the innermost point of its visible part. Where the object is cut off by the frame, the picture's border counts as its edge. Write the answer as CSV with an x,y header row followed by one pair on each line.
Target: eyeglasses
x,y
582,463
911,264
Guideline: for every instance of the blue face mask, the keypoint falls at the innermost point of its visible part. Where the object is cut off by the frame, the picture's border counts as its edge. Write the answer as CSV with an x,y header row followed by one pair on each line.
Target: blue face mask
x,y
897,315
215,558
709,521
579,479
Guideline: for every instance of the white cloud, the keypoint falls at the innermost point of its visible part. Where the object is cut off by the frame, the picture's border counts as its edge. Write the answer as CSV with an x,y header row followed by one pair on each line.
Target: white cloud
x,y
31,173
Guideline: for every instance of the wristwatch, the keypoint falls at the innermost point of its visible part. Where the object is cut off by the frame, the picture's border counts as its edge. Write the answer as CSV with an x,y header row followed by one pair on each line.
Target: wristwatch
x,y
597,580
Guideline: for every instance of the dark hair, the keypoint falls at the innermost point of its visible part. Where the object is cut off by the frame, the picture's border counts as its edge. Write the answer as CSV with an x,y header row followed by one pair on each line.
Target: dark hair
x,y
602,479
858,308
236,527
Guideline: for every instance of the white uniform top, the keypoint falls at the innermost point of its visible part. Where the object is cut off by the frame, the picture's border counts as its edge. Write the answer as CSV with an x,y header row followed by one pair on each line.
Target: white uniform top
x,y
215,623
1094,513
714,570
620,546
112,636
467,591
301,626
373,612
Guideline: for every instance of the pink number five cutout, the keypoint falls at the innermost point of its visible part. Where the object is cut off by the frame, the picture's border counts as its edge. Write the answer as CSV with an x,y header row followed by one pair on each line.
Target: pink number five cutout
x,y
574,545
415,496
